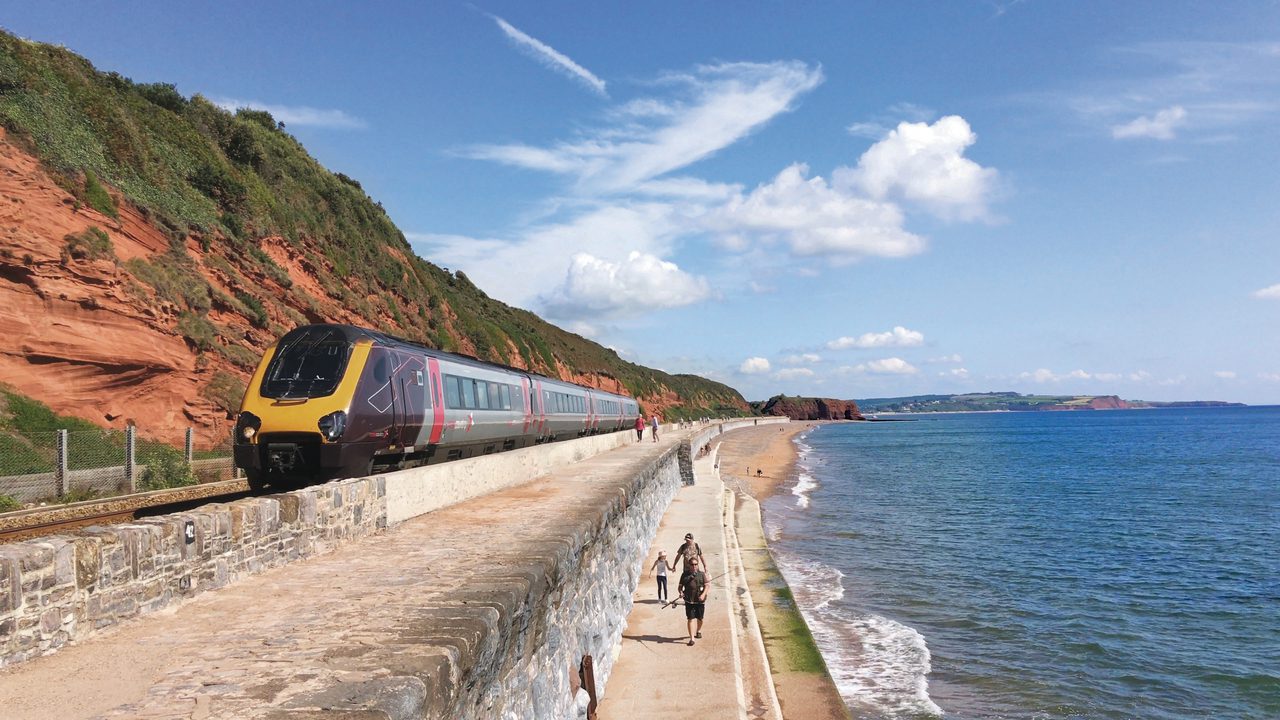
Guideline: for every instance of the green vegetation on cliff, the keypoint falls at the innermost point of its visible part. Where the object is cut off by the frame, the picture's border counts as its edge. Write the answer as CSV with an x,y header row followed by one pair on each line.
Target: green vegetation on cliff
x,y
224,182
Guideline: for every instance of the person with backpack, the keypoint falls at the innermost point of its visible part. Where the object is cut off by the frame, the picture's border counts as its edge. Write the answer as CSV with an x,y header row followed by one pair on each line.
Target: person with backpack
x,y
693,589
687,551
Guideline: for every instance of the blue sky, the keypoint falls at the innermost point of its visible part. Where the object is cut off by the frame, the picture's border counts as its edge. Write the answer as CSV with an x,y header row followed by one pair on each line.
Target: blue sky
x,y
839,199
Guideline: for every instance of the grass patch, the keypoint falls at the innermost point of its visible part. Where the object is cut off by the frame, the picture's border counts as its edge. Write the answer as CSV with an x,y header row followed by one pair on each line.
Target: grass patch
x,y
9,504
97,196
225,390
93,243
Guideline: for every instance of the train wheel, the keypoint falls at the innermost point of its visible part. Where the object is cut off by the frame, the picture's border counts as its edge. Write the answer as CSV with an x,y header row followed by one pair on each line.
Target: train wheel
x,y
257,480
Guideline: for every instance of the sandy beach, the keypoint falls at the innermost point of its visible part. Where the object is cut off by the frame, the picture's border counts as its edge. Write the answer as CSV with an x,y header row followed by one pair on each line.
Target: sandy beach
x,y
756,463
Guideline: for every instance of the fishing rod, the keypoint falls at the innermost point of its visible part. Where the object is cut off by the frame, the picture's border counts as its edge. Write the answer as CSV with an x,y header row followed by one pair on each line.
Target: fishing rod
x,y
674,603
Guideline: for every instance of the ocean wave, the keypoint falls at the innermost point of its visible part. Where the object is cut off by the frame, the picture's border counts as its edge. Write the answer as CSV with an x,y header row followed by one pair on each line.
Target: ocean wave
x,y
877,663
801,489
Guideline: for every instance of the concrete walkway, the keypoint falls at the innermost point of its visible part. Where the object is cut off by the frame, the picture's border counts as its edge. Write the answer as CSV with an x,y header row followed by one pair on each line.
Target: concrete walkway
x,y
723,675
407,601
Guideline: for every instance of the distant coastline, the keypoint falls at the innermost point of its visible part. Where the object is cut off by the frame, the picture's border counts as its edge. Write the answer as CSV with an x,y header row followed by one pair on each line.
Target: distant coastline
x,y
1016,402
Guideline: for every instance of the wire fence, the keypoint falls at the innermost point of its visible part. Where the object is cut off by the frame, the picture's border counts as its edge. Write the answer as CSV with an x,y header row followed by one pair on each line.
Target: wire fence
x,y
63,466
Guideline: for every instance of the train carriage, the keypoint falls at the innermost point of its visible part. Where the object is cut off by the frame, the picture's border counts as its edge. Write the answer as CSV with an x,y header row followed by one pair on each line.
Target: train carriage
x,y
330,401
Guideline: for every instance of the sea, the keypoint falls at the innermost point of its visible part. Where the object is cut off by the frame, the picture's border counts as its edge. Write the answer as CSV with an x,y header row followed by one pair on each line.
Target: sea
x,y
1086,564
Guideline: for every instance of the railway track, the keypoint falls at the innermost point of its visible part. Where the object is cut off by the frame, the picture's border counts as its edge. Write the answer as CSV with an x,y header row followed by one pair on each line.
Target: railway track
x,y
51,520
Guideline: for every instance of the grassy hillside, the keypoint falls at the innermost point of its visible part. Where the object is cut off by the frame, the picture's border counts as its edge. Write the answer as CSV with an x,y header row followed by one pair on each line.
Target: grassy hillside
x,y
223,182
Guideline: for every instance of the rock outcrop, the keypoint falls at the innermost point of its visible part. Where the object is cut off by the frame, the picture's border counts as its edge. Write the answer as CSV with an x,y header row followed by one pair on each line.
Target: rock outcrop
x,y
803,408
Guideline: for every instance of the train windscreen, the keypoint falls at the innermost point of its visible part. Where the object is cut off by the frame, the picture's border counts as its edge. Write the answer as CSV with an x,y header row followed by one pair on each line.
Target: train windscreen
x,y
309,364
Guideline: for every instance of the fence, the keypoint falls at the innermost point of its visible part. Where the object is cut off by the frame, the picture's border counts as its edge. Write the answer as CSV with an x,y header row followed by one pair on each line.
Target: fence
x,y
68,466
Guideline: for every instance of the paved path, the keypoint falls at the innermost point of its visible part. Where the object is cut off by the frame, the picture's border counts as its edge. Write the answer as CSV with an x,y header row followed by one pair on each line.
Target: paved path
x,y
723,675
340,619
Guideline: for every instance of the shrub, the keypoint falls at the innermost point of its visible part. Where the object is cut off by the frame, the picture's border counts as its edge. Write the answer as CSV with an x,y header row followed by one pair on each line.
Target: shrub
x,y
198,330
93,243
165,95
9,504
225,390
257,313
98,197
166,468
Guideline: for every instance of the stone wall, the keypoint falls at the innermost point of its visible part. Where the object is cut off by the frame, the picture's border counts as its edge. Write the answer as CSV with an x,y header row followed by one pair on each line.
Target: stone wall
x,y
63,588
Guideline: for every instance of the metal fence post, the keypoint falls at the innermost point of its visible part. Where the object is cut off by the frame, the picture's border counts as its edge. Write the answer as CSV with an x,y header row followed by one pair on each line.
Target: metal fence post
x,y
190,445
61,475
130,459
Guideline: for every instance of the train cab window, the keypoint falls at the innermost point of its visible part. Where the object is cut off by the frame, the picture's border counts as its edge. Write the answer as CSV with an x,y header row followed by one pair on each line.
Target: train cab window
x,y
309,363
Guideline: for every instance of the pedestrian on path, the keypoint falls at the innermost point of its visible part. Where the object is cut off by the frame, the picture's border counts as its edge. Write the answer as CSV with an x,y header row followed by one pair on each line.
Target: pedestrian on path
x,y
693,589
639,428
662,567
654,421
688,551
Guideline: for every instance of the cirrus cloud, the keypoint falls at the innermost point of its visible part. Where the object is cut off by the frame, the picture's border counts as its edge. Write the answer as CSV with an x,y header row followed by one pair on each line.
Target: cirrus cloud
x,y
1160,126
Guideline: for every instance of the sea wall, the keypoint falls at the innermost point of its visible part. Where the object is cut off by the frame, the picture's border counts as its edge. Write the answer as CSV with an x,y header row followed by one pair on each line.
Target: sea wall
x,y
574,602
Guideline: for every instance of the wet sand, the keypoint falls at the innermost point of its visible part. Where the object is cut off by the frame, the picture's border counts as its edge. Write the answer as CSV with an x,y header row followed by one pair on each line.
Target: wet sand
x,y
757,463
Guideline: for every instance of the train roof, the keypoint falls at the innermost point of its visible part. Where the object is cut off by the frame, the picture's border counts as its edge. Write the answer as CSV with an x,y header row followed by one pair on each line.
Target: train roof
x,y
352,333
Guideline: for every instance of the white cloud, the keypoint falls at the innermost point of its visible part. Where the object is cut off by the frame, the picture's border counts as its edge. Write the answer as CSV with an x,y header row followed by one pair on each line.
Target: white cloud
x,y
946,359
925,164
297,115
726,103
1225,374
1268,293
550,57
1269,377
802,359
793,373
1160,126
897,337
959,373
594,287
886,366
815,218
754,366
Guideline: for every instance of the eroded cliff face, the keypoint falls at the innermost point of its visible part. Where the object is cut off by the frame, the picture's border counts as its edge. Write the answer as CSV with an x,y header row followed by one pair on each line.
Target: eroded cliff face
x,y
85,334
800,408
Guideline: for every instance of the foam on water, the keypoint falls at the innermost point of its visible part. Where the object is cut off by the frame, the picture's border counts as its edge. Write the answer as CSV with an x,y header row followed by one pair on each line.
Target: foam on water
x,y
805,482
878,664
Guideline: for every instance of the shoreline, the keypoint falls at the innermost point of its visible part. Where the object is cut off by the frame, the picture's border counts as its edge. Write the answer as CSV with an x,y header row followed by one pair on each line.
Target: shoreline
x,y
757,464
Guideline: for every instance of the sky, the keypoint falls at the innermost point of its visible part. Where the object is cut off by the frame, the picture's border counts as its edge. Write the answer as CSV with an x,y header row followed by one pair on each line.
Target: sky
x,y
841,199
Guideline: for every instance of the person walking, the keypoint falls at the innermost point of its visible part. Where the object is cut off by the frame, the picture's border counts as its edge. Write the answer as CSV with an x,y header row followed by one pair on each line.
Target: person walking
x,y
639,428
693,590
662,567
688,551
654,422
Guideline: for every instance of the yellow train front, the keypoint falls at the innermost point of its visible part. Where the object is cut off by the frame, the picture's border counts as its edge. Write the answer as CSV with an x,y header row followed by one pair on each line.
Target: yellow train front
x,y
330,401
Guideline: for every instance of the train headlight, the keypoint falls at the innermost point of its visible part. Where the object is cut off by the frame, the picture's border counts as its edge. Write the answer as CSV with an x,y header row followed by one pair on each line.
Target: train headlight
x,y
333,425
247,426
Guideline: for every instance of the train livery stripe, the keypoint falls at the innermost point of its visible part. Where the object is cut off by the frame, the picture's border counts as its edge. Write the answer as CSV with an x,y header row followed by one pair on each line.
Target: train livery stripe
x,y
437,397
528,405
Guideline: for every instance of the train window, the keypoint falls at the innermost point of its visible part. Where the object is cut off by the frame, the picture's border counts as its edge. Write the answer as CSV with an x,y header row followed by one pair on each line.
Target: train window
x,y
452,392
308,363
505,392
418,376
482,395
495,397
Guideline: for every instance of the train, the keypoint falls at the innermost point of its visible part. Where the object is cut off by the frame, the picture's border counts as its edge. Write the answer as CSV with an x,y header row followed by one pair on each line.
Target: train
x,y
332,401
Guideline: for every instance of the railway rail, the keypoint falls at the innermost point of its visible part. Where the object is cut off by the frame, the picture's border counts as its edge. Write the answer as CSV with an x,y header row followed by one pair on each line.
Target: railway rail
x,y
54,519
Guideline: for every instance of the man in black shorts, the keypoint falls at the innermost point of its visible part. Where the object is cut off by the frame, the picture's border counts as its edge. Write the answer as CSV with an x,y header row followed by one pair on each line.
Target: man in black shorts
x,y
693,588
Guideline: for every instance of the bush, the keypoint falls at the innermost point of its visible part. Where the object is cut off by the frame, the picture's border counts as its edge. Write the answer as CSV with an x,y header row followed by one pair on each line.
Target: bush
x,y
93,243
9,504
225,390
166,468
257,313
198,330
98,197
165,95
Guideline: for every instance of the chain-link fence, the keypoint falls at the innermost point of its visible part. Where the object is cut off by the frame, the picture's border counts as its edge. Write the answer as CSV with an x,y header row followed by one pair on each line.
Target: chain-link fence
x,y
68,466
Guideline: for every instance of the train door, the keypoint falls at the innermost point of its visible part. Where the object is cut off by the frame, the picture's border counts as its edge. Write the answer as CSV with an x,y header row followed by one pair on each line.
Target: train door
x,y
528,405
437,395
409,381
539,408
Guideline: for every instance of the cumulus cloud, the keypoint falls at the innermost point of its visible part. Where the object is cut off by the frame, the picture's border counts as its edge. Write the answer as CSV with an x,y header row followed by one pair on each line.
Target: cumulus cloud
x,y
793,373
886,366
925,164
1161,126
815,218
550,57
1269,377
595,287
897,337
754,366
296,115
1268,293
1225,374
958,373
946,359
802,359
